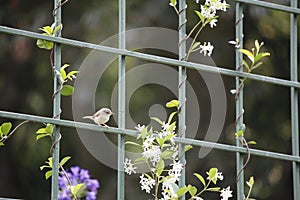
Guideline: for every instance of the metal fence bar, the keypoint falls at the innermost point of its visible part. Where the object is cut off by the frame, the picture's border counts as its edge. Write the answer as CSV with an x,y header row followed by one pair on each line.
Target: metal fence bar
x,y
153,58
56,105
182,76
269,5
294,100
239,98
121,100
134,133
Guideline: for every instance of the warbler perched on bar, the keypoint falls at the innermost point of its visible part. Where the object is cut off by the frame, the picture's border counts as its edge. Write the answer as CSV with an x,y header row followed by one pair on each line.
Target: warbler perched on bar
x,y
101,116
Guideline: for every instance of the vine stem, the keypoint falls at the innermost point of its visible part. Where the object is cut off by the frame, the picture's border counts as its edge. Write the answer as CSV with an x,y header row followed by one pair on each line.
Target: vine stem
x,y
156,187
66,175
245,144
193,42
14,130
203,190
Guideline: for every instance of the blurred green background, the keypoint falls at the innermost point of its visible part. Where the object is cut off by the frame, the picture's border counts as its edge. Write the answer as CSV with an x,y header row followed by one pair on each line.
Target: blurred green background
x,y
26,86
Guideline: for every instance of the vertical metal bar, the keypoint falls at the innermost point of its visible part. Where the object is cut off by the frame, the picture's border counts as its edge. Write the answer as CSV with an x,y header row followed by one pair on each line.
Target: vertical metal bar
x,y
239,100
121,100
294,101
56,106
182,85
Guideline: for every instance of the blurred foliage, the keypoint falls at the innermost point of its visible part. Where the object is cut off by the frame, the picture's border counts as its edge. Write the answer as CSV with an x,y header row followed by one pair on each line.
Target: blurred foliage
x,y
26,86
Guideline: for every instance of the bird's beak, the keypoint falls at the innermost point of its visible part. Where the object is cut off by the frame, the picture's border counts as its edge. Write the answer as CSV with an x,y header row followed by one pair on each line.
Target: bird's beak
x,y
112,113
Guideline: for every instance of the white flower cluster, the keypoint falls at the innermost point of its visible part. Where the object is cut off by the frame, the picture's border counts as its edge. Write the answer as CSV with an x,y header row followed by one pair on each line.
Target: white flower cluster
x,y
226,193
210,8
206,49
129,167
147,183
151,151
209,11
167,186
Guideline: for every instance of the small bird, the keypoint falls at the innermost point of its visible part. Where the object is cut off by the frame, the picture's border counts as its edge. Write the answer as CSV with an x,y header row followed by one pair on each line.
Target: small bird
x,y
101,116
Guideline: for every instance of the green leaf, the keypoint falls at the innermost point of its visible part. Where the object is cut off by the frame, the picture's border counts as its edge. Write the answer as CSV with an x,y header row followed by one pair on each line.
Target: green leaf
x,y
187,147
167,154
133,143
59,27
5,128
173,2
239,134
248,54
43,44
196,45
214,189
67,90
212,174
171,116
41,130
157,120
144,133
252,142
1,144
64,160
47,29
40,136
49,128
201,17
182,191
48,174
140,159
201,179
192,190
172,127
173,103
256,65
50,161
250,183
78,190
44,166
160,167
160,141
246,64
63,74
71,75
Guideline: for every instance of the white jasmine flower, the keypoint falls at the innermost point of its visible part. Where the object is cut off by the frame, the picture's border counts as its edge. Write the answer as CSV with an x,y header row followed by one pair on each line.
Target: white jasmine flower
x,y
208,12
206,49
175,172
153,154
219,176
167,189
147,183
165,126
233,91
129,167
139,127
212,23
148,143
226,193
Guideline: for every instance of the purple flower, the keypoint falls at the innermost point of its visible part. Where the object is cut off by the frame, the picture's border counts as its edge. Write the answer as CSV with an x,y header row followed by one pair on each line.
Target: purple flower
x,y
76,176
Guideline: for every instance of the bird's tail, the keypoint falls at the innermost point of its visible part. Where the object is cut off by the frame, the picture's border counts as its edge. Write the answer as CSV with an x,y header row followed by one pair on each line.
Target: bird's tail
x,y
88,117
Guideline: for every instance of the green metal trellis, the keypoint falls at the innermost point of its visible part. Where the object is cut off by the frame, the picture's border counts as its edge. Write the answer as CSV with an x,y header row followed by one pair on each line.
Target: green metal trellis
x,y
293,84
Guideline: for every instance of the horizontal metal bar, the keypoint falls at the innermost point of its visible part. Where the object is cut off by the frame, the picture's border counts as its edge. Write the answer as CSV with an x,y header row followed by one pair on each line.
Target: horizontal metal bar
x,y
134,133
67,123
152,58
271,6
